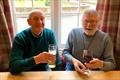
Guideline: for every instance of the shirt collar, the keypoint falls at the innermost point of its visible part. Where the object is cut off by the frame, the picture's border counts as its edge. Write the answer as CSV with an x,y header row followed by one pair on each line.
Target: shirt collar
x,y
38,35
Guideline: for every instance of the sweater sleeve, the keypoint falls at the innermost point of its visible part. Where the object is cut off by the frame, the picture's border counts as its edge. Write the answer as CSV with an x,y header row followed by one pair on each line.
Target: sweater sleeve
x,y
68,48
17,62
108,57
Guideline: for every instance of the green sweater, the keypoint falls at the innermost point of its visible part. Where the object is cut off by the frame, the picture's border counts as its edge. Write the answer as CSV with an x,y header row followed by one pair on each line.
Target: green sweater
x,y
25,46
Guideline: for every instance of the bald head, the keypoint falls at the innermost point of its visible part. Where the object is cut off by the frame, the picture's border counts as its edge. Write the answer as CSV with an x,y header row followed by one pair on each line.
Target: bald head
x,y
36,20
31,13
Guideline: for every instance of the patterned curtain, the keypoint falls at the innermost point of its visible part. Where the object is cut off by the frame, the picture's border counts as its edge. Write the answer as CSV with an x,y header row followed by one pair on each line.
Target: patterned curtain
x,y
110,23
6,33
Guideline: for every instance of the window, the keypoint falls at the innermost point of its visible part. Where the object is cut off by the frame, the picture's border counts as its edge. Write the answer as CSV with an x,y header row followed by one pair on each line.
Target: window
x,y
71,15
22,7
61,15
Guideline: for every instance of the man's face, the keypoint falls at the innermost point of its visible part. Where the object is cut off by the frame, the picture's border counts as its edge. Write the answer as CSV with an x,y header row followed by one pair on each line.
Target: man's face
x,y
90,24
37,22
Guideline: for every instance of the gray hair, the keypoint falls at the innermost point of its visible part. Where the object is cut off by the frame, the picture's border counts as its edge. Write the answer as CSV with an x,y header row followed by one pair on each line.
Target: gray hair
x,y
91,12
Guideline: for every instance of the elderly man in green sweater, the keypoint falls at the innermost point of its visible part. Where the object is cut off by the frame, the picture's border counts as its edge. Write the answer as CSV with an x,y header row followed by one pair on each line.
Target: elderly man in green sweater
x,y
30,47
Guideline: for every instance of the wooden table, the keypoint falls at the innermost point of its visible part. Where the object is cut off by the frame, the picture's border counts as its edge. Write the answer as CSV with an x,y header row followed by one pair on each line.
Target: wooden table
x,y
61,75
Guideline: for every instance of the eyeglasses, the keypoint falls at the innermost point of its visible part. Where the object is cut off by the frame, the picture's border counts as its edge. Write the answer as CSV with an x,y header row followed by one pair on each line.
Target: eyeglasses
x,y
90,21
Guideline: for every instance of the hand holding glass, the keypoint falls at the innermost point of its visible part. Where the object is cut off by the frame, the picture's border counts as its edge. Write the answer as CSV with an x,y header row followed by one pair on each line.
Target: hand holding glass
x,y
87,56
52,50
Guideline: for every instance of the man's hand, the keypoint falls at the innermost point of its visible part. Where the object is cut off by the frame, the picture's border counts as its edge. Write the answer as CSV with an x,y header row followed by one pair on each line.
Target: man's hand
x,y
79,67
94,64
45,57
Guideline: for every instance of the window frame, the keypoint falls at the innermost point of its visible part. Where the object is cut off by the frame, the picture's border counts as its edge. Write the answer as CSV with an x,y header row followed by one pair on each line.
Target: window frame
x,y
56,14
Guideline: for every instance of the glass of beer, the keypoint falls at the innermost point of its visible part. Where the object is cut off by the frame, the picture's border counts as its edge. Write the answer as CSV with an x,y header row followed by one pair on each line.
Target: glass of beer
x,y
52,50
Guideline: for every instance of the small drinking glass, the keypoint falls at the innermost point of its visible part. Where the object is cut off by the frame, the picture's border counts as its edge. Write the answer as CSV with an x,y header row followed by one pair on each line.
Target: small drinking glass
x,y
52,50
87,56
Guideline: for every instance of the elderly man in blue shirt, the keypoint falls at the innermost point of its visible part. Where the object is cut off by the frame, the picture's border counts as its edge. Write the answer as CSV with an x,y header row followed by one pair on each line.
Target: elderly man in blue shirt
x,y
92,40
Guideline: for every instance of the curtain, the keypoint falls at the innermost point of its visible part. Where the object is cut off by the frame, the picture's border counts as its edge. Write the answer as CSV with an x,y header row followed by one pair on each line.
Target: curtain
x,y
110,22
6,33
